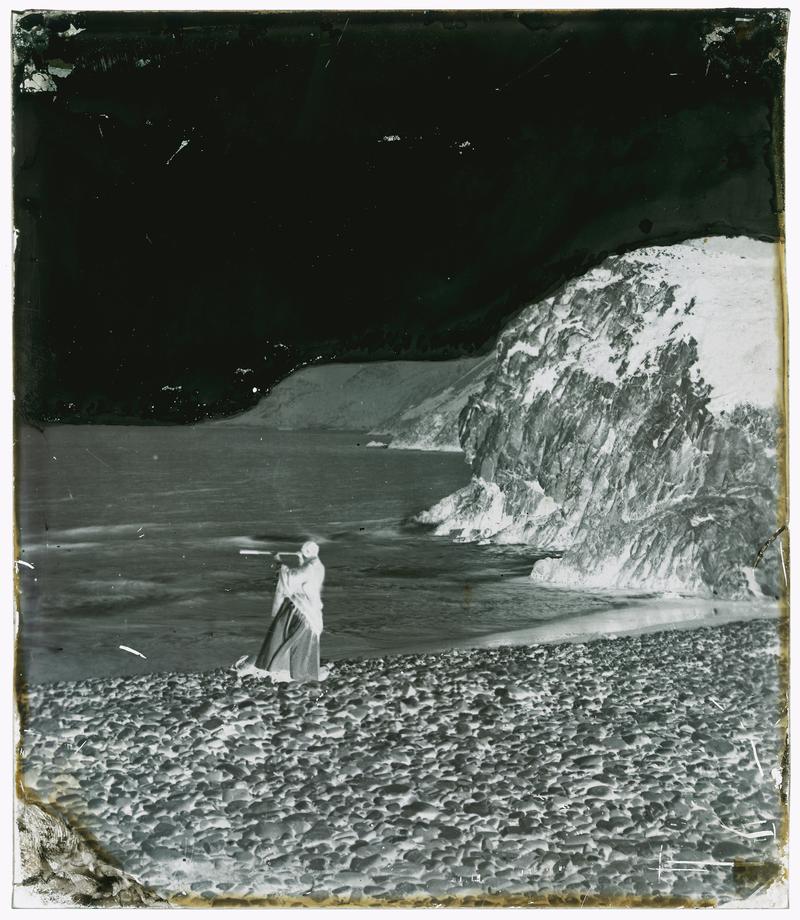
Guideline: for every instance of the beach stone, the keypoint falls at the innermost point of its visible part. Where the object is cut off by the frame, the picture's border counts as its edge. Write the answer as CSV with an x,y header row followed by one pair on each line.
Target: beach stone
x,y
262,808
364,863
578,839
354,879
271,830
318,834
720,746
420,810
481,808
687,886
731,849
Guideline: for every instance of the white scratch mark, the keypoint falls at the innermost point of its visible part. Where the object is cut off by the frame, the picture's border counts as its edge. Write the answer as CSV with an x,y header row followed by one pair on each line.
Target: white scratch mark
x,y
755,754
660,865
783,562
183,143
133,651
526,72
712,700
705,862
28,565
99,460
749,835
347,23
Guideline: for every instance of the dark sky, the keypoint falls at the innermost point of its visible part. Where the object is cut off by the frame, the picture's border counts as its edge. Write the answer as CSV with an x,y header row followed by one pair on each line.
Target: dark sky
x,y
198,193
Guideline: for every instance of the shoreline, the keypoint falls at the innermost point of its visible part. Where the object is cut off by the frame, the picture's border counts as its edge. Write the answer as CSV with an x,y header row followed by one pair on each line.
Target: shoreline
x,y
578,768
649,615
625,615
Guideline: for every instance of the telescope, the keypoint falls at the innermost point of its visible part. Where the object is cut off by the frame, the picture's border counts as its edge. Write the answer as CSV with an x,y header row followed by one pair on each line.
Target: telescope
x,y
266,552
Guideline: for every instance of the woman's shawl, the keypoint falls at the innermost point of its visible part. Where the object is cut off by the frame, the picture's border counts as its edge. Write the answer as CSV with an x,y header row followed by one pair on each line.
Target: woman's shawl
x,y
303,587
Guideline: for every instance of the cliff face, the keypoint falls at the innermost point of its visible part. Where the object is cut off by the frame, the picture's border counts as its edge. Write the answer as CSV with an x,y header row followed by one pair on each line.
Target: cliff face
x,y
433,423
630,425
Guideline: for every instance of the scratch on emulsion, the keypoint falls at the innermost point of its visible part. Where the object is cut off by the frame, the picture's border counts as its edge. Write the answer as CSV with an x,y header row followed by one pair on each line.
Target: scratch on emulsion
x,y
183,143
346,24
755,755
99,459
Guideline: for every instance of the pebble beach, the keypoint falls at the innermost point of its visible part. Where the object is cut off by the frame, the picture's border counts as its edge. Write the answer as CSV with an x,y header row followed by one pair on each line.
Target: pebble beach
x,y
639,769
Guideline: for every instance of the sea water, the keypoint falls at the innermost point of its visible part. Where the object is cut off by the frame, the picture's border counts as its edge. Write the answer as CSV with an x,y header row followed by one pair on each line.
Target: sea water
x,y
131,536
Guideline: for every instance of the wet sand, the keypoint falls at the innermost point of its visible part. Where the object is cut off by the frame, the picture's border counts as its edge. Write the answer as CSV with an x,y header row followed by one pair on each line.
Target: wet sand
x,y
624,616
637,766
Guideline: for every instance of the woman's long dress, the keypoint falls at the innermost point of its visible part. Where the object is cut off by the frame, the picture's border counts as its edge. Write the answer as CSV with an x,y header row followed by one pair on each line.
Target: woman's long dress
x,y
290,650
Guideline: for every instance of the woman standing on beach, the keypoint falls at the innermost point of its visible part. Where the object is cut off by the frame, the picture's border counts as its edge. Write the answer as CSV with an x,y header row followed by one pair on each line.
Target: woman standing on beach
x,y
291,647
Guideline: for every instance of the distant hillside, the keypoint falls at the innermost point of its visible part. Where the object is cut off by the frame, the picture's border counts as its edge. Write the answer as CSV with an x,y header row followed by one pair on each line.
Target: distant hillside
x,y
368,397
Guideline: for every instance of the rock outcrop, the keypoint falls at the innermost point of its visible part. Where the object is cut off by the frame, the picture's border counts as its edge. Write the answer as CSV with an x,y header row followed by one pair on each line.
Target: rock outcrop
x,y
61,868
631,426
433,423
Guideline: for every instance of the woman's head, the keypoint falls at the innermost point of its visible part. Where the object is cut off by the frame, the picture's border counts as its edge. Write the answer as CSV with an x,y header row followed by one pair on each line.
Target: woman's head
x,y
310,550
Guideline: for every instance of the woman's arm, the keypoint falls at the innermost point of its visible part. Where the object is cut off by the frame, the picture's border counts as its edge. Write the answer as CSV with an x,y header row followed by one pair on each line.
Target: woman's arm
x,y
297,556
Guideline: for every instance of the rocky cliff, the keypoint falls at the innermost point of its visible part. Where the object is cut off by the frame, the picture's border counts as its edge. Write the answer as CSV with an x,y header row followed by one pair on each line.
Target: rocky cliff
x,y
432,424
631,426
